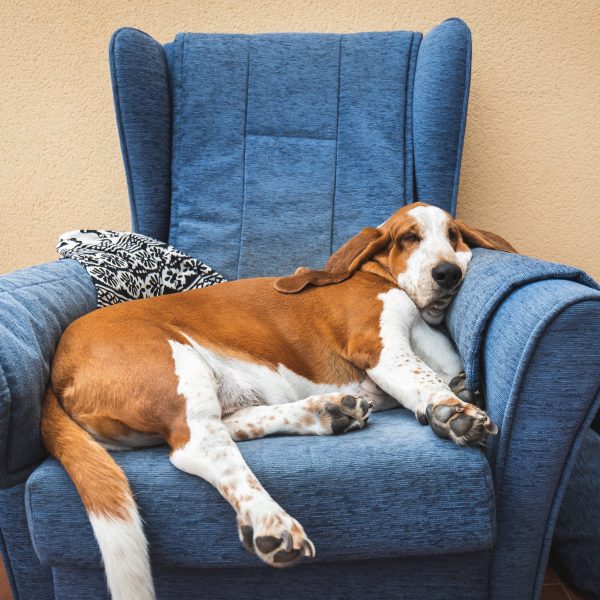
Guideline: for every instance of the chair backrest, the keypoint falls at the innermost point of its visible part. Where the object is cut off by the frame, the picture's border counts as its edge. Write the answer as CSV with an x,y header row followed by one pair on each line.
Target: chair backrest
x,y
261,153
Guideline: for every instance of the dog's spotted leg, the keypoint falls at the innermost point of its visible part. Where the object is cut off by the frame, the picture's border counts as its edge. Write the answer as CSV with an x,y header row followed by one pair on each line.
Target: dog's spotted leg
x,y
327,414
408,378
436,349
201,445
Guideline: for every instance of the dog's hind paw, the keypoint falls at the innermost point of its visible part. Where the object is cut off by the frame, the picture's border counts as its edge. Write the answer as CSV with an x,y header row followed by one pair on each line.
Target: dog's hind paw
x,y
277,539
339,413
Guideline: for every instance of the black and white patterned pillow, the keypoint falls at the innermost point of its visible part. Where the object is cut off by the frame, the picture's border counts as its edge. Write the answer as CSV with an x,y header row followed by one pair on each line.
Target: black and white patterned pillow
x,y
126,266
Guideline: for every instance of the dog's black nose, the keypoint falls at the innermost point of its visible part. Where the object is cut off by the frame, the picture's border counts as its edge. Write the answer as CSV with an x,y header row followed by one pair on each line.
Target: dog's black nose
x,y
446,275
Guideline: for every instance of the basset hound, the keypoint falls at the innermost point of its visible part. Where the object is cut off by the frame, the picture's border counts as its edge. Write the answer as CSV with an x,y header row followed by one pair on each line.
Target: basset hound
x,y
312,353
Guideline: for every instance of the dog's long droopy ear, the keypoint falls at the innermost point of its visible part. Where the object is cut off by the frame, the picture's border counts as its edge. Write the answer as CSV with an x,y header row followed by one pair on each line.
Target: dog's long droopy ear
x,y
482,239
341,264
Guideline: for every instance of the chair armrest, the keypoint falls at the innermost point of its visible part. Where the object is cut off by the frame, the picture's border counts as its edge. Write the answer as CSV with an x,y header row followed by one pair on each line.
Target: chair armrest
x,y
529,332
36,305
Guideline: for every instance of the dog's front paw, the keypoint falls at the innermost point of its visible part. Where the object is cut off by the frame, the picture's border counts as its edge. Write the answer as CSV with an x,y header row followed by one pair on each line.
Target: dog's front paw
x,y
459,421
277,539
340,413
459,388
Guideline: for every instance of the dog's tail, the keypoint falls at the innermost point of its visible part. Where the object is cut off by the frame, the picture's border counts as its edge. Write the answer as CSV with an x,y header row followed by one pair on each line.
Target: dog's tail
x,y
107,498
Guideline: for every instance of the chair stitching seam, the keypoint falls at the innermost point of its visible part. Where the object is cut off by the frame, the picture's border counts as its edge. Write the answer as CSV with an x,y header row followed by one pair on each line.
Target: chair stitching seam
x,y
292,136
405,132
174,224
337,142
244,159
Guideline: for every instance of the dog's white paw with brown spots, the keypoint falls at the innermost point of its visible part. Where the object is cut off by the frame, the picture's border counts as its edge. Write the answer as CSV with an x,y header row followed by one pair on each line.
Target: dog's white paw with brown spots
x,y
277,539
339,413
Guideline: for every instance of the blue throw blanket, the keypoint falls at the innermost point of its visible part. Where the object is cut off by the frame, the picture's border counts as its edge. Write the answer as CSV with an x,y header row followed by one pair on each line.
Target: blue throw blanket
x,y
491,277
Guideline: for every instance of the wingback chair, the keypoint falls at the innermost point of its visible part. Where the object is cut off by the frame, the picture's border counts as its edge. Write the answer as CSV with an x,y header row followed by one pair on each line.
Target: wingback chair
x,y
259,153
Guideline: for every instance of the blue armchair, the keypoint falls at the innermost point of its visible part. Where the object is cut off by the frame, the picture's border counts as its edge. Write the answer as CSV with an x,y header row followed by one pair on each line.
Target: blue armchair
x,y
258,154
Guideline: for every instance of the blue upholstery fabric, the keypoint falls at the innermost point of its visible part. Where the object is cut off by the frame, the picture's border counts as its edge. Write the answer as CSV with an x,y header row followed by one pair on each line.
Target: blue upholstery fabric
x,y
577,535
439,119
36,305
456,577
143,106
29,579
395,481
491,278
284,146
541,379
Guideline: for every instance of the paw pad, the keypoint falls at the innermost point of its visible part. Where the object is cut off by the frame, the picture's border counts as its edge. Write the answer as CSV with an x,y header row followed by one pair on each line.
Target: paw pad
x,y
339,421
347,413
463,423
349,402
277,539
267,543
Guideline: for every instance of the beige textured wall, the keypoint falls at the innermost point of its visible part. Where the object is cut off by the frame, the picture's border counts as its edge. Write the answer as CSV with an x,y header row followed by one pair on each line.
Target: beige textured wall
x,y
531,166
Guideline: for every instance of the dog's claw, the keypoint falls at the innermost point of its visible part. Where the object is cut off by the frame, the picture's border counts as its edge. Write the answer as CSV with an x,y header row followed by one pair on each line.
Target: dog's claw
x,y
287,541
491,428
308,549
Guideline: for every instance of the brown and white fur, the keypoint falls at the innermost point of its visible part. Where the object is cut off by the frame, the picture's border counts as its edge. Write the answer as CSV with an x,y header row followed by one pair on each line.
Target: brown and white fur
x,y
254,357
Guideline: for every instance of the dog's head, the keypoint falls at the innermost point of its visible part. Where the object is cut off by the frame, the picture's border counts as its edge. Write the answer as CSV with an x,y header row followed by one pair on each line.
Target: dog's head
x,y
422,248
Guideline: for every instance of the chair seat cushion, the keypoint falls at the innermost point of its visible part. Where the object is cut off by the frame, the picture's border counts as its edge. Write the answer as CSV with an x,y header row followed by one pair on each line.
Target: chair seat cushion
x,y
392,489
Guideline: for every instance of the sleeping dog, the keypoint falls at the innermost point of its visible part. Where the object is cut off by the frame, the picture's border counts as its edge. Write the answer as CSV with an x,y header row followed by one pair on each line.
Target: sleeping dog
x,y
309,354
